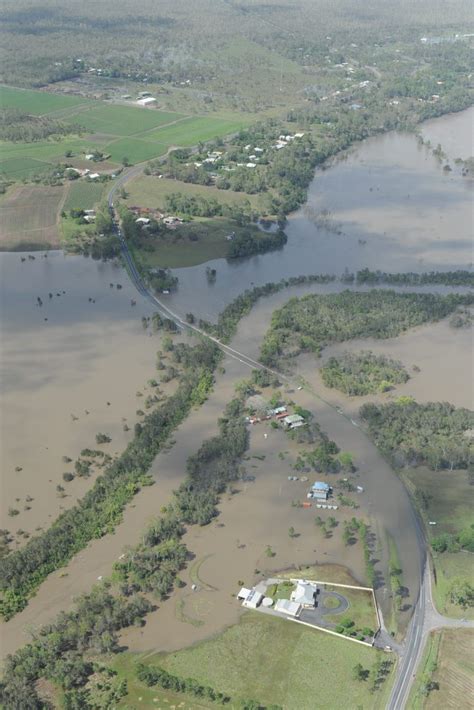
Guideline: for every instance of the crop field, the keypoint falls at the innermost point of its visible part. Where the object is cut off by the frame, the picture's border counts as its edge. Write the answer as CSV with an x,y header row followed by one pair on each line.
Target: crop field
x,y
275,661
28,216
122,120
83,195
135,150
192,130
448,661
21,167
36,102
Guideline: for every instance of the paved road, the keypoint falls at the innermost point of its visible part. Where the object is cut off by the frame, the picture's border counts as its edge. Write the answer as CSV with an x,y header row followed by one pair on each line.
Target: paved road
x,y
425,616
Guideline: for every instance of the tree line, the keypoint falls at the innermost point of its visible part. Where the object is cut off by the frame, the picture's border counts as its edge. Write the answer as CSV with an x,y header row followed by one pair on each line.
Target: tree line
x,y
362,373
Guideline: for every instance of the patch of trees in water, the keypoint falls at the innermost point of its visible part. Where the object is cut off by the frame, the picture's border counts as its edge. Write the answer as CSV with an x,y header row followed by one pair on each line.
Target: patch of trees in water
x,y
363,373
435,434
22,571
310,323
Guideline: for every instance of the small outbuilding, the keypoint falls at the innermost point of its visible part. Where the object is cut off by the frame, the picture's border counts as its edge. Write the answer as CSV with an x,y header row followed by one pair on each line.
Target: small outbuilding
x,y
147,101
288,607
253,600
293,421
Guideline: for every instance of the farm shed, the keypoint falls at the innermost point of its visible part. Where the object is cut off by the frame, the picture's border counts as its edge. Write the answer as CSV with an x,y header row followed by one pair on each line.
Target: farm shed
x,y
285,606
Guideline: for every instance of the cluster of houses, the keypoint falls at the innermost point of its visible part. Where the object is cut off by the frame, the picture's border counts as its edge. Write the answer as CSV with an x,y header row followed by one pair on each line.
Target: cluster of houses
x,y
304,596
145,215
280,415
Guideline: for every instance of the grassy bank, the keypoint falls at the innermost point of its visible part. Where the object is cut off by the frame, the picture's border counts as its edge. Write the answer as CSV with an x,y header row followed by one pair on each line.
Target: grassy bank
x,y
274,661
443,497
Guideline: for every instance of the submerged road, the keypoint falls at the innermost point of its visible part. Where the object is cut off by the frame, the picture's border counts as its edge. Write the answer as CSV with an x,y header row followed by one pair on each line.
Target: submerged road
x,y
425,617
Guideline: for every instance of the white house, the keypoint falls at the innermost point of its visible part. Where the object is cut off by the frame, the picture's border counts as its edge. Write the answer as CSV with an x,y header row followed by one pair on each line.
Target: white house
x,y
285,606
253,600
93,176
147,101
142,220
251,165
304,594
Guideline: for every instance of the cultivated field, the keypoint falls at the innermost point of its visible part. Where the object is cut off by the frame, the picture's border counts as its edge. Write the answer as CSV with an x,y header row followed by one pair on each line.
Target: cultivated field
x,y
448,661
131,132
83,195
36,102
28,217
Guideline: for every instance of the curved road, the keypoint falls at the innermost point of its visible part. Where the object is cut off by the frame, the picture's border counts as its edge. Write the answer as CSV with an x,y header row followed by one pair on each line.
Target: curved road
x,y
425,616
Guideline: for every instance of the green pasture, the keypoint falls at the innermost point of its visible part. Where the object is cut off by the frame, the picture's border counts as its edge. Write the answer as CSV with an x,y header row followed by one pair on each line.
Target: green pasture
x,y
36,102
192,130
277,661
135,150
122,120
21,167
150,191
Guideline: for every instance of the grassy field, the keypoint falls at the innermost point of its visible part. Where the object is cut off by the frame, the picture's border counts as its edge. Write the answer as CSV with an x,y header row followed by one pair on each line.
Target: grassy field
x,y
190,244
445,497
131,132
135,149
449,662
83,195
36,102
149,191
192,130
28,216
274,661
122,120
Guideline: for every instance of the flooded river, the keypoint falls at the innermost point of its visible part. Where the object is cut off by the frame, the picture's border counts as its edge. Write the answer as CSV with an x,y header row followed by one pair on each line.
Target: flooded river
x,y
386,205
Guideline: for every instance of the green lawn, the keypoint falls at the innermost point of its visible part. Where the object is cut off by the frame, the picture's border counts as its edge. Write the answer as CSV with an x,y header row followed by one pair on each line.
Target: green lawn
x,y
83,195
192,130
122,120
278,661
36,102
361,608
135,150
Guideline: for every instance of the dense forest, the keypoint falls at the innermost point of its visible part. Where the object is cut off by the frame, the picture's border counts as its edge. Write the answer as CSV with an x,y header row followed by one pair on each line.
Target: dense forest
x,y
362,373
436,434
312,322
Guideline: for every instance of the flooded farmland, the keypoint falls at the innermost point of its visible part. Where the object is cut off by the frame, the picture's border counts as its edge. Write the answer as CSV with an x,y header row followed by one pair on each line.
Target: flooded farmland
x,y
92,350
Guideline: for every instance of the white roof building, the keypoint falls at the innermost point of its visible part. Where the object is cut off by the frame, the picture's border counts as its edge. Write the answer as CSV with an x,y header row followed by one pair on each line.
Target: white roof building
x,y
285,606
253,600
305,593
251,165
142,220
93,176
243,594
146,101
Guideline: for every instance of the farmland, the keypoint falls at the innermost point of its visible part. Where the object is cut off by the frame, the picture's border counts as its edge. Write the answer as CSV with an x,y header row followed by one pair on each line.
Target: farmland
x,y
232,662
28,216
83,195
121,131
448,665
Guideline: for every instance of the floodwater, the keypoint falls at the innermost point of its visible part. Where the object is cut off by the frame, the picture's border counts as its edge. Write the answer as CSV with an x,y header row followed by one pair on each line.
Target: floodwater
x,y
453,132
69,369
388,193
387,204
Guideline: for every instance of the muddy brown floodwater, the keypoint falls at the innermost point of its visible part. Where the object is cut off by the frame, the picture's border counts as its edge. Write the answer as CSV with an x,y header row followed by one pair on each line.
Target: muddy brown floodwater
x,y
389,206
69,369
